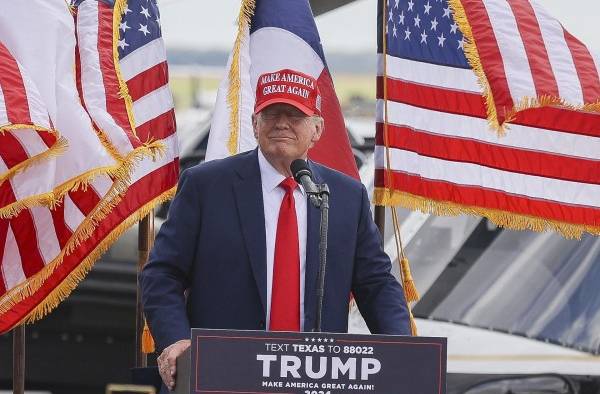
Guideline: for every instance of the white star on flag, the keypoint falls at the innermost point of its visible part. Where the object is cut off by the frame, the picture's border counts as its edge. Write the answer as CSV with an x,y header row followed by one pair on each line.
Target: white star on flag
x,y
144,29
123,26
122,44
427,8
423,37
453,27
434,24
441,40
447,12
407,34
418,21
145,12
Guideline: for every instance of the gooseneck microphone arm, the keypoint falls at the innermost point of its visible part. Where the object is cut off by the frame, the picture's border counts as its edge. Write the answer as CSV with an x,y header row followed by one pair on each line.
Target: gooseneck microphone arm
x,y
318,195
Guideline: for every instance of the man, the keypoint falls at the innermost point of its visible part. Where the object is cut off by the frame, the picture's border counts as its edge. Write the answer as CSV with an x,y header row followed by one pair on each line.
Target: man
x,y
242,240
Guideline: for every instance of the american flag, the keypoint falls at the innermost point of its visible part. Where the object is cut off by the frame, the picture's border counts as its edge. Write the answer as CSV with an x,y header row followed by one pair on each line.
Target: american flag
x,y
444,157
52,253
525,58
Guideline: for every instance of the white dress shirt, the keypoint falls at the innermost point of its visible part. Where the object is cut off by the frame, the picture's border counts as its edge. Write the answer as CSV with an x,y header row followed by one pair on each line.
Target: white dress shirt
x,y
272,197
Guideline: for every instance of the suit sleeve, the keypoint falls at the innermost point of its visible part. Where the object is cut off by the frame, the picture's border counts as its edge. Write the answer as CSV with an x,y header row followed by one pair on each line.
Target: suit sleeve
x,y
378,294
166,276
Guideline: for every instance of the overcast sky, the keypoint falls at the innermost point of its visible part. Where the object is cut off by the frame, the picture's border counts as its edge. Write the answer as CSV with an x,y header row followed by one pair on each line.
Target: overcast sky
x,y
210,24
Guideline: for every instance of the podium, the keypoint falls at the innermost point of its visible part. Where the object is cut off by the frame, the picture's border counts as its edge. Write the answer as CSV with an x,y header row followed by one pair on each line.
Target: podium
x,y
228,361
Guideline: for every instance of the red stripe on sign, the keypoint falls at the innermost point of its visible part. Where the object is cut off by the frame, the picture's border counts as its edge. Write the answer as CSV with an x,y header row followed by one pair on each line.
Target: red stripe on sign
x,y
487,198
489,55
333,149
3,233
158,128
149,80
138,194
500,157
85,200
13,89
11,150
115,105
471,104
63,232
585,67
26,235
537,55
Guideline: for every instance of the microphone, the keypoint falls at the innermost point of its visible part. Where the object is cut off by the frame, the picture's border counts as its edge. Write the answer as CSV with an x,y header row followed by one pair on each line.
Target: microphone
x,y
303,176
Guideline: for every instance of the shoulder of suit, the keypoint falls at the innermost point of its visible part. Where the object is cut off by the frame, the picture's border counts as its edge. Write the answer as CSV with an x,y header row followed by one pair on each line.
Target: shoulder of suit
x,y
218,167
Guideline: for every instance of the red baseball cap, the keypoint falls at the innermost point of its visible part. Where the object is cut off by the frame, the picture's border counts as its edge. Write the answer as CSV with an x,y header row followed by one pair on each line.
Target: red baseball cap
x,y
289,87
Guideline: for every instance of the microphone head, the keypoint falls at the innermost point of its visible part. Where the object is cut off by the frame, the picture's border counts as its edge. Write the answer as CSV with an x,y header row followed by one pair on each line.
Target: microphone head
x,y
300,168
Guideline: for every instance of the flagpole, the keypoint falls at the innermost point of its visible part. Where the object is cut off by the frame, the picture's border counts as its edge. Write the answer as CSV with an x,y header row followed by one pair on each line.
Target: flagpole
x,y
145,238
19,359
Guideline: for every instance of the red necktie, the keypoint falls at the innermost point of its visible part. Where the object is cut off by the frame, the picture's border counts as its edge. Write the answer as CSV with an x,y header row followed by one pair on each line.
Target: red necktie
x,y
285,294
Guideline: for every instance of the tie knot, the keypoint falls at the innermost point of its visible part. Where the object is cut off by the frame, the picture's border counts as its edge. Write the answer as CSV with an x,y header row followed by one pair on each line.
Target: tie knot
x,y
288,184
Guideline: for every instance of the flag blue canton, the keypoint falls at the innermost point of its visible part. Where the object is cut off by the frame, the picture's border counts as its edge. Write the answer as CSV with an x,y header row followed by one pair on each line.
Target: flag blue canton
x,y
140,24
425,31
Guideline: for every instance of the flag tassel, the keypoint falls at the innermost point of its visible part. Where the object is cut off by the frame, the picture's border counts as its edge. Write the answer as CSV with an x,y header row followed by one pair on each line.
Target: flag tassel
x,y
147,340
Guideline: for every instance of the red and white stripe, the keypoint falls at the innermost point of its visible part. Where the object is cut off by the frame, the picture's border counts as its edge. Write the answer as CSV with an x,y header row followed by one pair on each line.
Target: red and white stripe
x,y
20,105
35,237
99,84
441,148
526,53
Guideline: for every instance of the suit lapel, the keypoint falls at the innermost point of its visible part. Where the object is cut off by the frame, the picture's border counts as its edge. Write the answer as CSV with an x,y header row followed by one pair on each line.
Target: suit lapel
x,y
248,194
313,223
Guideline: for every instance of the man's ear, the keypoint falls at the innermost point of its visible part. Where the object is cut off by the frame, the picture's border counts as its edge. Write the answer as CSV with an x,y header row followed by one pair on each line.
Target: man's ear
x,y
319,126
254,125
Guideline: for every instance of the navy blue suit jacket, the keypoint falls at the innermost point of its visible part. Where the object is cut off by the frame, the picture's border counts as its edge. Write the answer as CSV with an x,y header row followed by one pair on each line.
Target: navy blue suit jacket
x,y
213,245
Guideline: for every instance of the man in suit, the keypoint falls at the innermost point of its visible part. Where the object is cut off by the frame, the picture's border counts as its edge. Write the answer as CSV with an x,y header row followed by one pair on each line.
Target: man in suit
x,y
242,240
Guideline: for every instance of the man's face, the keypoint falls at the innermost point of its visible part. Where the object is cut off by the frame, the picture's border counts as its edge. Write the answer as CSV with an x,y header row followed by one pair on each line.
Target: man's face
x,y
284,132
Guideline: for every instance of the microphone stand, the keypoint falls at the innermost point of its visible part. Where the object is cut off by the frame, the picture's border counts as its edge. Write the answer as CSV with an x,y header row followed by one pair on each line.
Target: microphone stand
x,y
321,201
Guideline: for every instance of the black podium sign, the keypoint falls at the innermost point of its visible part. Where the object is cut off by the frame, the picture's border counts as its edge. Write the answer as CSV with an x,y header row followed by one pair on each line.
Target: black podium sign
x,y
226,361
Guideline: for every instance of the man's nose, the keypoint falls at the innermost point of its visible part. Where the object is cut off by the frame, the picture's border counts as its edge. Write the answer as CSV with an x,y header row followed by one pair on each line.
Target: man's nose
x,y
283,119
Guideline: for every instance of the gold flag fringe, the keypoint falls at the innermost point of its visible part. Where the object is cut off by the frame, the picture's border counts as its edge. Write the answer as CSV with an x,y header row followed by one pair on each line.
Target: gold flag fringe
x,y
472,55
118,11
58,148
233,93
147,340
62,291
85,229
513,221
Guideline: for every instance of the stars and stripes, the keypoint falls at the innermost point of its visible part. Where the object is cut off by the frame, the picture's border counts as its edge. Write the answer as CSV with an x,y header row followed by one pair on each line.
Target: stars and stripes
x,y
47,251
435,150
525,58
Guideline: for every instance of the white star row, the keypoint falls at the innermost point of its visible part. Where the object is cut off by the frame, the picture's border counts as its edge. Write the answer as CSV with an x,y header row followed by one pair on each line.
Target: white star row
x,y
330,340
441,38
143,28
417,22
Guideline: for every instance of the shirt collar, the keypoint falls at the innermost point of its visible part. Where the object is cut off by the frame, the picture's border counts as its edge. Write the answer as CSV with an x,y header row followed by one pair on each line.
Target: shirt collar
x,y
270,177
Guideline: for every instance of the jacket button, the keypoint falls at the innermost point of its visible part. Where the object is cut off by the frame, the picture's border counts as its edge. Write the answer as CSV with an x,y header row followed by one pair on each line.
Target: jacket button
x,y
261,324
